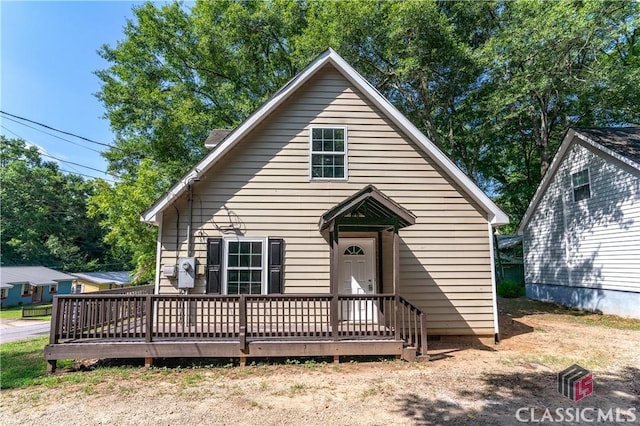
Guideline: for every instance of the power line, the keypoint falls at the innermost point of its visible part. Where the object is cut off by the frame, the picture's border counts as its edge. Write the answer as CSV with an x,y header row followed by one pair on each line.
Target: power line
x,y
51,134
82,174
58,159
77,164
60,131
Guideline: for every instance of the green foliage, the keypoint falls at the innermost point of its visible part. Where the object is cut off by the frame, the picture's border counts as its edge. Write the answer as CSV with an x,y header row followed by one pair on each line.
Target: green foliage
x,y
118,208
510,289
495,84
44,213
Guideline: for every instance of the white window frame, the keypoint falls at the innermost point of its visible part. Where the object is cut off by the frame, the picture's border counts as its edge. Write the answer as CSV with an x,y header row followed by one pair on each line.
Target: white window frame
x,y
573,187
25,290
3,293
225,261
53,288
345,153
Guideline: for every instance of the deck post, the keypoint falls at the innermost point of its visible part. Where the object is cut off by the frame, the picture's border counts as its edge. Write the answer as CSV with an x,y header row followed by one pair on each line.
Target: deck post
x,y
51,366
396,282
149,315
334,277
243,323
423,335
55,319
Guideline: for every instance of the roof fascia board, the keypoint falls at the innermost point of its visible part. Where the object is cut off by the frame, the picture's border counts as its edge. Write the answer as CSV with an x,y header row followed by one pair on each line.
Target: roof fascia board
x,y
546,180
249,124
571,137
495,215
608,151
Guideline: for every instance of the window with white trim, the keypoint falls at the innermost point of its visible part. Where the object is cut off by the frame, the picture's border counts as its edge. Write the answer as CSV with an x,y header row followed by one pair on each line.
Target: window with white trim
x,y
53,288
245,266
26,289
3,293
581,183
328,153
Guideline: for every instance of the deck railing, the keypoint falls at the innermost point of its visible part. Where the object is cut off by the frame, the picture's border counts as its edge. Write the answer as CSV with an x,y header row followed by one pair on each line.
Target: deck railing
x,y
244,318
136,289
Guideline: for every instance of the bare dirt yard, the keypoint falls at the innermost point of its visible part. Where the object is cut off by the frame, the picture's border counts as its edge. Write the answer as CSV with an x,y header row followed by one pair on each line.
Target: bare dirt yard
x,y
462,384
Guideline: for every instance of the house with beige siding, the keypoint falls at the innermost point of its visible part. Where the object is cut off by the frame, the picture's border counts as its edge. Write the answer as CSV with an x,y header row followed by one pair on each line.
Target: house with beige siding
x,y
581,231
327,221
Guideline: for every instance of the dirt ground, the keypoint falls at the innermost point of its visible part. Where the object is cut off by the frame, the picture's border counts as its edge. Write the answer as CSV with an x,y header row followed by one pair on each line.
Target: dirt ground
x,y
462,384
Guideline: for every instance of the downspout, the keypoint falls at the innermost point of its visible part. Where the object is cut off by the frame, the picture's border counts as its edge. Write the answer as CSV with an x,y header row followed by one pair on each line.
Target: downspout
x,y
177,233
190,215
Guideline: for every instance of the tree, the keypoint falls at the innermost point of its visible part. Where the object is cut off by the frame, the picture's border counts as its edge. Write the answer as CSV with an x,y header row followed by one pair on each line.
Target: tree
x,y
551,66
495,84
177,75
118,208
44,213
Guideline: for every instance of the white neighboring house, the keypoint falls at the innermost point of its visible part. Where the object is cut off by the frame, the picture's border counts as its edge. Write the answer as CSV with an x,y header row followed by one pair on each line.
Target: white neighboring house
x,y
582,229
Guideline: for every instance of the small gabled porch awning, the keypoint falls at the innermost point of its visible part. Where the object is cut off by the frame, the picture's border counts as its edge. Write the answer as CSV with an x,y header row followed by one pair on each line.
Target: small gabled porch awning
x,y
368,206
366,211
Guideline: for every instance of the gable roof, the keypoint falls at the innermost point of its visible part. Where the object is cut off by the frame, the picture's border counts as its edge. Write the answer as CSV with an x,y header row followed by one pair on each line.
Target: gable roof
x,y
496,216
622,143
117,278
371,202
34,275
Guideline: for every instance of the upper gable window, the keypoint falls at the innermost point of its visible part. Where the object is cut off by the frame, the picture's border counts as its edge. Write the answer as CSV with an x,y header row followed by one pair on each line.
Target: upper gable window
x,y
328,153
581,185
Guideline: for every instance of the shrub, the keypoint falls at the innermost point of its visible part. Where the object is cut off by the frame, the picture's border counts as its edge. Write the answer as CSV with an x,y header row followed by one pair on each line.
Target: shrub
x,y
510,289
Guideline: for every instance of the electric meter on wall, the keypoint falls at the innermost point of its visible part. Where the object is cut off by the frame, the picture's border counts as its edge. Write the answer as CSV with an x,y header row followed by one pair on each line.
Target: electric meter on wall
x,y
187,272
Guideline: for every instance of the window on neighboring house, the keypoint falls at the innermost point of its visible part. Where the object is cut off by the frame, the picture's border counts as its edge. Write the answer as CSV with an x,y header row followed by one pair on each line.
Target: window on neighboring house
x,y
3,293
328,153
244,265
26,289
581,185
53,289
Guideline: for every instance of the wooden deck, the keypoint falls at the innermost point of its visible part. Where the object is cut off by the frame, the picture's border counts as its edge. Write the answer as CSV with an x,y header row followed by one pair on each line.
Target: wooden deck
x,y
164,326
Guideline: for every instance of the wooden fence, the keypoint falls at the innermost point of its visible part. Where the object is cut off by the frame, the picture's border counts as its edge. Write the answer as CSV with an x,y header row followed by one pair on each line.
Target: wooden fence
x,y
36,311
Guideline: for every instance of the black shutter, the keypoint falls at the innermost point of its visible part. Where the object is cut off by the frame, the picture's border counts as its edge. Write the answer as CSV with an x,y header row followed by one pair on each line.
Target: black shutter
x,y
275,267
215,251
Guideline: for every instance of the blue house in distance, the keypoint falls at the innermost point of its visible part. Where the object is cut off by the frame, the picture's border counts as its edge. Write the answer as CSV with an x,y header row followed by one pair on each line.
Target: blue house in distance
x,y
25,285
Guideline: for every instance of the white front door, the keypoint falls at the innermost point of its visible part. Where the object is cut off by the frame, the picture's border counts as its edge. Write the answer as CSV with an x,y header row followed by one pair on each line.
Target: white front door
x,y
357,272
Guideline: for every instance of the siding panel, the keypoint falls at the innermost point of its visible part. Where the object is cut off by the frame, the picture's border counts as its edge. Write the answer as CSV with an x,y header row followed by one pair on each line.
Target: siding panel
x,y
262,188
589,243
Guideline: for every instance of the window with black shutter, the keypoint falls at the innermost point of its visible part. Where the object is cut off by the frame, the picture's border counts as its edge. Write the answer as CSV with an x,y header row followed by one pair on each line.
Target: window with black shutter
x,y
214,265
276,262
245,265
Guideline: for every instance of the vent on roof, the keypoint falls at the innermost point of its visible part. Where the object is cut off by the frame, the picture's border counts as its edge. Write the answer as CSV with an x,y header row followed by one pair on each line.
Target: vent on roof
x,y
215,137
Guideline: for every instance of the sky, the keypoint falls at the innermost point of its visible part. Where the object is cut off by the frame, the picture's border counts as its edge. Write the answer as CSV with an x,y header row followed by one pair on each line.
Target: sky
x,y
48,59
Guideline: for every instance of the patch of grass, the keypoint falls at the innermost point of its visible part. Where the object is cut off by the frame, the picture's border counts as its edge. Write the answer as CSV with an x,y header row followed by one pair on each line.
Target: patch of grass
x,y
192,379
15,313
595,360
611,321
11,313
296,389
22,362
521,306
510,289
